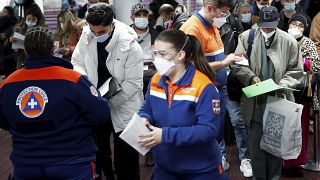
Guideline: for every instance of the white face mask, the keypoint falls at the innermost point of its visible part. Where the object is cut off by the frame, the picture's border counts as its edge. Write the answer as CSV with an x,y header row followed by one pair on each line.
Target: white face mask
x,y
218,22
260,6
141,23
268,35
295,32
31,23
163,66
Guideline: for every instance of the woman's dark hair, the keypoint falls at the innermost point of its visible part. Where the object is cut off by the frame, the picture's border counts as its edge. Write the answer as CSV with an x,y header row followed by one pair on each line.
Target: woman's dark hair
x,y
34,11
12,20
191,46
10,10
100,14
38,42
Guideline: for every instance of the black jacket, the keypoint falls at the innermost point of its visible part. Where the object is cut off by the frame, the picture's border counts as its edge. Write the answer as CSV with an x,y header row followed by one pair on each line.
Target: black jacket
x,y
179,20
229,33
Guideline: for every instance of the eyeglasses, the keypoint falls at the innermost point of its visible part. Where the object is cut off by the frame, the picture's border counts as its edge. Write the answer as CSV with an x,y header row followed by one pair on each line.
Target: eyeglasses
x,y
296,24
221,13
160,53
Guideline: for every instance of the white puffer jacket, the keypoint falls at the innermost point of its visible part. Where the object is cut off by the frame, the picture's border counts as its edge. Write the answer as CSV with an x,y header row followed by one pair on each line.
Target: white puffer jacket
x,y
125,64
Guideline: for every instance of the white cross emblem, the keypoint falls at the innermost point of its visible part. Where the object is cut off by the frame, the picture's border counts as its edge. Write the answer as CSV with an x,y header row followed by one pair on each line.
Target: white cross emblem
x,y
32,103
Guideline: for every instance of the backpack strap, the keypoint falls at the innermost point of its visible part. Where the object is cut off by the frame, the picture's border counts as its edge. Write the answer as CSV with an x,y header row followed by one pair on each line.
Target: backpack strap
x,y
250,41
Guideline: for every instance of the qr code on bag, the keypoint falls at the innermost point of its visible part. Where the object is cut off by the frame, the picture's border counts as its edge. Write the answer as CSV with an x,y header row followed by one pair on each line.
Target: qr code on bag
x,y
273,128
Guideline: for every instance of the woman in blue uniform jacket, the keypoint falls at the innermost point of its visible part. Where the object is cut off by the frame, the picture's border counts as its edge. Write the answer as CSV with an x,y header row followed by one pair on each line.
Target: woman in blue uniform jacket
x,y
182,109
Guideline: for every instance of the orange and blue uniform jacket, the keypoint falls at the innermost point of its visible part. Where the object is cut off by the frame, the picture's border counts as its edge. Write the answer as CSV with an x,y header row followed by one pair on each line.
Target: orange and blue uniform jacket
x,y
188,113
50,109
212,44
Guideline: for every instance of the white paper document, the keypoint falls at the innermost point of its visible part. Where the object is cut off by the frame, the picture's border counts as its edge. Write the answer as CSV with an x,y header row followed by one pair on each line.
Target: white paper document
x,y
19,44
105,87
243,62
145,67
131,133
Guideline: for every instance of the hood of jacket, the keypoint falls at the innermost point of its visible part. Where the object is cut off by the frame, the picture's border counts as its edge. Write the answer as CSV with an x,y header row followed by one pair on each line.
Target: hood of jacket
x,y
180,18
123,35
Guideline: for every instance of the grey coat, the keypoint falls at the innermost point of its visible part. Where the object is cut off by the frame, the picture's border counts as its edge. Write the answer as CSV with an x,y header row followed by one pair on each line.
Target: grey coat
x,y
284,53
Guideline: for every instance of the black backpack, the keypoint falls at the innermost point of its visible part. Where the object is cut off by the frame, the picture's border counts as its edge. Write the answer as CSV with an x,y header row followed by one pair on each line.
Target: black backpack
x,y
234,86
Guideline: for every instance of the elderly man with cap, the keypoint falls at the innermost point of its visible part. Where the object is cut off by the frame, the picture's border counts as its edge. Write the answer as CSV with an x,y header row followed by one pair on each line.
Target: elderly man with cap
x,y
274,55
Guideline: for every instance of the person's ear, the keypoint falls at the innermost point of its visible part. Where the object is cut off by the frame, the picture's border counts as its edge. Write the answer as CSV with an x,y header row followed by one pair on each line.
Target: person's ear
x,y
132,18
181,55
172,14
209,8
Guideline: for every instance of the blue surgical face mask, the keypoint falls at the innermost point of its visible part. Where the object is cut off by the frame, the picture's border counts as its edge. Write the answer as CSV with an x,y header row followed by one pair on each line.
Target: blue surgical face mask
x,y
141,23
102,38
289,6
246,18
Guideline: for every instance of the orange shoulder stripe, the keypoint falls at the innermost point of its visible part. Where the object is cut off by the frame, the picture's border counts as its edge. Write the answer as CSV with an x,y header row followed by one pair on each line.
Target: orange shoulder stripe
x,y
201,81
47,73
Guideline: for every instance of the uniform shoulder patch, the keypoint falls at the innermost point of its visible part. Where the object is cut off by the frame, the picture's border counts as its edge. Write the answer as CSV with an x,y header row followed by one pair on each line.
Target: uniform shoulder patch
x,y
216,106
94,91
32,101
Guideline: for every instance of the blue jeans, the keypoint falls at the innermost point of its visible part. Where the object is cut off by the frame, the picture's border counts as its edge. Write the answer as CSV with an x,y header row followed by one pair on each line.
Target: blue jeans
x,y
240,132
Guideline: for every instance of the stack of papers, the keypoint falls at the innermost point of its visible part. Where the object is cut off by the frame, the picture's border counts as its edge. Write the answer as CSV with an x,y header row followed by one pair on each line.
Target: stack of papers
x,y
19,44
243,62
131,133
263,87
105,87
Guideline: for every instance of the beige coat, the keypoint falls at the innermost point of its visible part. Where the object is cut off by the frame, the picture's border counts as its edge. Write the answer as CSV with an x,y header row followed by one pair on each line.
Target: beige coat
x,y
284,54
315,31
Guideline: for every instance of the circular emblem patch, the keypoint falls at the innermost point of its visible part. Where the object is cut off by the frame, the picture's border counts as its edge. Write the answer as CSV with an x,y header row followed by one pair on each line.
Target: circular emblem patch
x,y
32,101
94,91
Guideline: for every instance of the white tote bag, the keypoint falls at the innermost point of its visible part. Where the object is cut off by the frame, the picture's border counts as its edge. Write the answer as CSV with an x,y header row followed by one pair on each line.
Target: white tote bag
x,y
282,128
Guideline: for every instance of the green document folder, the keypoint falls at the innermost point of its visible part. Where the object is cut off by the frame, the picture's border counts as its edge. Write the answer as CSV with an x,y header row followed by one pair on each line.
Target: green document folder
x,y
263,87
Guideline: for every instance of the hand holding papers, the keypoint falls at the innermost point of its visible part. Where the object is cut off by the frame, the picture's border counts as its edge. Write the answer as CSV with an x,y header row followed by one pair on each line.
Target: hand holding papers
x,y
132,132
263,87
105,87
19,41
243,62
110,88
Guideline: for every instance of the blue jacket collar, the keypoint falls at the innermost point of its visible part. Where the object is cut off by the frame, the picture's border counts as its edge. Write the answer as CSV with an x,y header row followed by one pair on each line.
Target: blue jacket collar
x,y
46,61
185,80
203,20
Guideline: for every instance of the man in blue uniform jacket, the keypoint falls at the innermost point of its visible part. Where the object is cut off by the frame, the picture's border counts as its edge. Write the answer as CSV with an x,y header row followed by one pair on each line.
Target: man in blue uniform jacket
x,y
50,109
